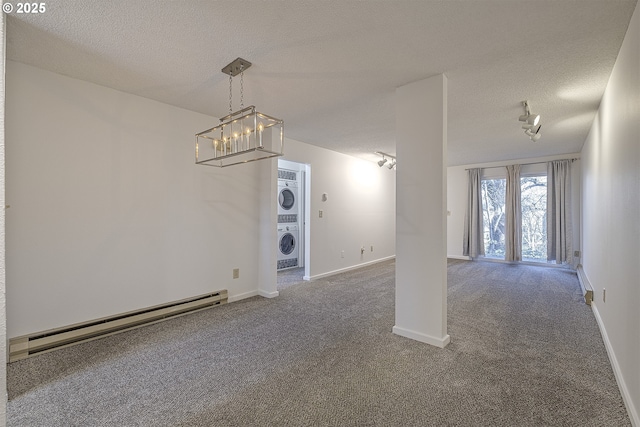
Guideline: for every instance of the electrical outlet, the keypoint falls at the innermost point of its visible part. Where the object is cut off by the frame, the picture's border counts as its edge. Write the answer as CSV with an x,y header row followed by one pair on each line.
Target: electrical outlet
x,y
371,248
319,214
342,254
604,295
236,273
576,253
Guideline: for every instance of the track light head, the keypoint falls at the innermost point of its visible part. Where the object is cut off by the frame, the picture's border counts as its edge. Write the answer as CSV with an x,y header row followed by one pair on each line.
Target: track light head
x,y
532,128
534,133
382,162
533,119
392,165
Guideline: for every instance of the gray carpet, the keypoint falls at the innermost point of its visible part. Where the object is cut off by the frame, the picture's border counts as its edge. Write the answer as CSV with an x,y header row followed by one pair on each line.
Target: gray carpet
x,y
289,277
525,351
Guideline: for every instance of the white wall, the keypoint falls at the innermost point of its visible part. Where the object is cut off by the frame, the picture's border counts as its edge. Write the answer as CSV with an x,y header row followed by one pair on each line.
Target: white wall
x,y
109,213
611,216
360,210
457,197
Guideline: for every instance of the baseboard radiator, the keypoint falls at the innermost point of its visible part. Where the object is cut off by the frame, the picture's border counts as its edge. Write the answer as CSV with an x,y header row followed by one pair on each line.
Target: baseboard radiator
x,y
53,339
585,286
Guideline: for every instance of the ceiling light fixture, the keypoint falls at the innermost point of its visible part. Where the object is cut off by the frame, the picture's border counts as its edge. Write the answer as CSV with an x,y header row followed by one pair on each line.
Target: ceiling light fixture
x,y
391,165
242,136
534,135
531,123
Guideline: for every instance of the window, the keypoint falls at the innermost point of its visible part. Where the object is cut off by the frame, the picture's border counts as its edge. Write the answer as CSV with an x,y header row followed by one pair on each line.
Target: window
x,y
533,201
493,191
533,188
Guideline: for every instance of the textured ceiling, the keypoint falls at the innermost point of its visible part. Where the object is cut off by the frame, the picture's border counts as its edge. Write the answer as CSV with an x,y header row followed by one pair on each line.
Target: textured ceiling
x,y
330,69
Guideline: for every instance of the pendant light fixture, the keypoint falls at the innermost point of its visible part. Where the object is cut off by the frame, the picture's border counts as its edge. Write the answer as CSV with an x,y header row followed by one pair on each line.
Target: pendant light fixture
x,y
242,136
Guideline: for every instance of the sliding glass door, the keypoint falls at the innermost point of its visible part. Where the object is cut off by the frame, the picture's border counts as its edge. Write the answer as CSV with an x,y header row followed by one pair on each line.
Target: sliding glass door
x,y
534,217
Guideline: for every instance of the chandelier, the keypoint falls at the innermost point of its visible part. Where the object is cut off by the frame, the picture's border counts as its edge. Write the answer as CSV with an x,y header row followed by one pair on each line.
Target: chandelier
x,y
242,136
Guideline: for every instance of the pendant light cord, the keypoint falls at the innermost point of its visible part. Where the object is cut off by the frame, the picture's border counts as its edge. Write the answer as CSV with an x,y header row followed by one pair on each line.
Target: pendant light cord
x,y
230,93
241,87
241,90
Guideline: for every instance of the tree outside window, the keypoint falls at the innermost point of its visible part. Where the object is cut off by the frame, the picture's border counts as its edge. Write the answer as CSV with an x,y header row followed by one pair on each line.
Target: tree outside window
x,y
493,191
534,217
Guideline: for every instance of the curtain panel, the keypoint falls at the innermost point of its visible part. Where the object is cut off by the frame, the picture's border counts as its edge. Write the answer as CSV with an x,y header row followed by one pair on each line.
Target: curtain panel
x,y
513,225
473,239
559,238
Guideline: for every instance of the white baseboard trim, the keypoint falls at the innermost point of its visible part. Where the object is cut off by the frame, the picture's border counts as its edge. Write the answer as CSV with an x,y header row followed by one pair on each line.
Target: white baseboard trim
x,y
268,294
344,270
624,391
462,257
419,336
242,296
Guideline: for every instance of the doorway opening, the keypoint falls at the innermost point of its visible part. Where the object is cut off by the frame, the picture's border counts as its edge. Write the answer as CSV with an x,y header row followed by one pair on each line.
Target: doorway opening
x,y
293,263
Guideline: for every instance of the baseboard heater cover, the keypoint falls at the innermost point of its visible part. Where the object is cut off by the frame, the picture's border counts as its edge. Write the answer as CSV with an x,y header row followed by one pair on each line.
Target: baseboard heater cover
x,y
585,285
53,339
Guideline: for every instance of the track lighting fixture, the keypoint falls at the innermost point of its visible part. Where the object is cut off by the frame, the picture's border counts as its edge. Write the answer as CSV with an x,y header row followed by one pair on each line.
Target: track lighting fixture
x,y
392,163
531,123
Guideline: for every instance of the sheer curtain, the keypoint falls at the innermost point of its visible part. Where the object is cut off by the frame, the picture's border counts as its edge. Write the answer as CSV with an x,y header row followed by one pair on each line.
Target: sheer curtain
x,y
513,225
473,241
559,239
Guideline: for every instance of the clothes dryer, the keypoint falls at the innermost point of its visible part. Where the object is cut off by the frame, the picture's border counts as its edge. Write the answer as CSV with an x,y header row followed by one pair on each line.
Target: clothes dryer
x,y
287,197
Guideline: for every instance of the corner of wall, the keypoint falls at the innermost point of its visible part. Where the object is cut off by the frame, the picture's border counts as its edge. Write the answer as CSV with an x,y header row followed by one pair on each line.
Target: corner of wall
x,y
3,311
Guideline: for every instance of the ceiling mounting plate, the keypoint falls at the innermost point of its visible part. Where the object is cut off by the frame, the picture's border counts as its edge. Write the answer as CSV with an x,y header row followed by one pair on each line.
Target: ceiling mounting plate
x,y
236,67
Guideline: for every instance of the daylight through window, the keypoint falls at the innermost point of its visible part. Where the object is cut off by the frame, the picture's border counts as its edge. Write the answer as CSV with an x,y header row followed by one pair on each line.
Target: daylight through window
x,y
534,217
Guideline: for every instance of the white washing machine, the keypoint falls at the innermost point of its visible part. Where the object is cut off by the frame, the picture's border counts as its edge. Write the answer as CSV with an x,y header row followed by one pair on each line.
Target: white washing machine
x,y
288,194
288,249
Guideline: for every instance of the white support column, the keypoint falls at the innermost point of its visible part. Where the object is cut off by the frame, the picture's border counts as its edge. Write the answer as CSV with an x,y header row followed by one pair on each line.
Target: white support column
x,y
421,193
268,238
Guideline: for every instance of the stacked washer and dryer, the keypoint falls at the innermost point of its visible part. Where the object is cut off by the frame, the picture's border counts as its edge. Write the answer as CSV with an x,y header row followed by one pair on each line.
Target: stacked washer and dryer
x,y
288,217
